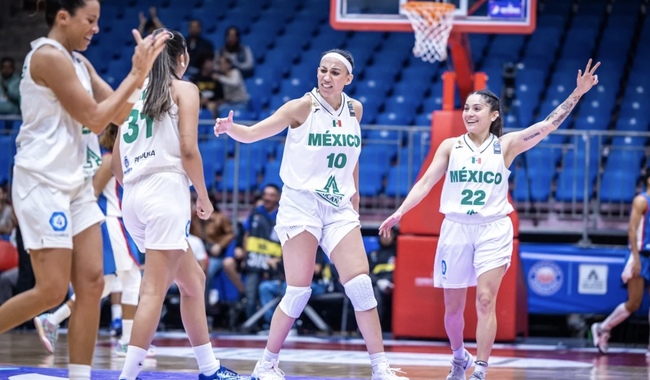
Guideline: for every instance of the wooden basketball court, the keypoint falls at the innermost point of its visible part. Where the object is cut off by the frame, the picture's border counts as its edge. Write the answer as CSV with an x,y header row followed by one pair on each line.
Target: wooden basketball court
x,y
22,357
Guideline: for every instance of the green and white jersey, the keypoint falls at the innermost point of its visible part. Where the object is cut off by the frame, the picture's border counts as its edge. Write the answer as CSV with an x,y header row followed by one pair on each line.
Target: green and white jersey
x,y
93,153
321,154
50,144
476,183
149,146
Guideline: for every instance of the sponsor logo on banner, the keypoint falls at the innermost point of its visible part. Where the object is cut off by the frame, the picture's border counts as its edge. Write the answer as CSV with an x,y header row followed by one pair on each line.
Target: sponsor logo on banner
x,y
506,8
592,279
545,278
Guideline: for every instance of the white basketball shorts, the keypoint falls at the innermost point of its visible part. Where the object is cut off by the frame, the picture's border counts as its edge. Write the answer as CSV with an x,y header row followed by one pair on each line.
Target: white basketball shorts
x,y
156,211
466,251
300,210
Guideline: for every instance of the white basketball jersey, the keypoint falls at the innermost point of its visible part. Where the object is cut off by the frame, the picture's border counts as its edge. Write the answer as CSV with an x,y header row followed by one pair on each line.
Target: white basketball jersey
x,y
93,153
321,153
149,146
476,183
50,144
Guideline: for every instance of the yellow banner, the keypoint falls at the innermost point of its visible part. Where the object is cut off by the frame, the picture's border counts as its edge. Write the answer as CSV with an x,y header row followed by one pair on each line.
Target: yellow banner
x,y
263,246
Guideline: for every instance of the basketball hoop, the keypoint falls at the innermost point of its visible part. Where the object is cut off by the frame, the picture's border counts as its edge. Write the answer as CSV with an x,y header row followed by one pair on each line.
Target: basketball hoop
x,y
432,23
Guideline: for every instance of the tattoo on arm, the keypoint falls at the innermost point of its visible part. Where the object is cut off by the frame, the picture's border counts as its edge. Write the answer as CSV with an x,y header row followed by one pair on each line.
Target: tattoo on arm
x,y
562,111
532,136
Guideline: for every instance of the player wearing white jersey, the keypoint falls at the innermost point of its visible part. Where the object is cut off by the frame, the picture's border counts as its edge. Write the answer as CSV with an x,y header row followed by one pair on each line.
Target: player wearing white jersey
x,y
476,238
319,205
157,159
56,210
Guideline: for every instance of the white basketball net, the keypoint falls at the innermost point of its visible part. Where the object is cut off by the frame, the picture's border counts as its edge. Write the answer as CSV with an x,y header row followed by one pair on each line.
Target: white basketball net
x,y
432,23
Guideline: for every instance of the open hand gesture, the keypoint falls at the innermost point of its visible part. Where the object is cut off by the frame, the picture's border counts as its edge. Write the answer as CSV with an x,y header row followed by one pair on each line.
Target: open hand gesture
x,y
588,79
147,50
386,225
223,125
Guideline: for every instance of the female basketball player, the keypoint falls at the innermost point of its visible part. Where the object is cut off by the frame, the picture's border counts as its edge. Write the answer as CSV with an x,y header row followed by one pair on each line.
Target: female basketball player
x,y
319,205
476,237
160,158
636,273
55,207
120,253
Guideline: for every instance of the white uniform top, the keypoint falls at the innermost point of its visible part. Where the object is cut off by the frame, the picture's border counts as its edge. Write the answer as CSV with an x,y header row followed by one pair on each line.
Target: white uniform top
x,y
321,153
49,144
149,146
93,153
476,184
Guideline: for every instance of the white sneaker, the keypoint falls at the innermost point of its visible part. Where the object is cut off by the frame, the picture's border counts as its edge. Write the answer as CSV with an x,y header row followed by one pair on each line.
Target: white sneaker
x,y
265,370
458,367
47,331
121,348
600,338
384,372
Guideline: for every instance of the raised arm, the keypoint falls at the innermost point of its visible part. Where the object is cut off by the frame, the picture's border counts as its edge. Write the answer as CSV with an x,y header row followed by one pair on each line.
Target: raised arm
x,y
291,114
436,170
51,68
521,141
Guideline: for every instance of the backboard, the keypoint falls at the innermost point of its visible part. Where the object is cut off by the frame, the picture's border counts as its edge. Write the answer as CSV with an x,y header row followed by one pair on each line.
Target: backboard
x,y
471,16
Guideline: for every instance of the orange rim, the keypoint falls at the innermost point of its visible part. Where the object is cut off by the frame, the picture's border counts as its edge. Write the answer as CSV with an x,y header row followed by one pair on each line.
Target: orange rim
x,y
428,7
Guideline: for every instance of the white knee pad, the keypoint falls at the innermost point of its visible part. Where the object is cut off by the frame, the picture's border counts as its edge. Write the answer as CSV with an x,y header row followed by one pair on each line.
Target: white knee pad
x,y
294,300
360,292
130,280
109,279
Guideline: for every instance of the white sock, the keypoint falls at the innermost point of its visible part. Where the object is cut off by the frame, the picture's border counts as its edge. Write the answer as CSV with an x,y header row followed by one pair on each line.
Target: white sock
x,y
480,367
60,315
618,315
127,326
376,359
116,311
459,353
208,364
269,356
78,372
133,362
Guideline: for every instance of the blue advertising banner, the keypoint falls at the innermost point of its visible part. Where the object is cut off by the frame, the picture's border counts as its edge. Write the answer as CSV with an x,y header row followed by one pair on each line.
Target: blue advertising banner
x,y
506,9
565,279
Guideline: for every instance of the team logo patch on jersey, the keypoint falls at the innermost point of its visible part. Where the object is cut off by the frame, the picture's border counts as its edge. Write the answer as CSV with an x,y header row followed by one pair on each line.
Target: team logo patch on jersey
x,y
459,144
476,160
330,192
336,123
351,108
497,147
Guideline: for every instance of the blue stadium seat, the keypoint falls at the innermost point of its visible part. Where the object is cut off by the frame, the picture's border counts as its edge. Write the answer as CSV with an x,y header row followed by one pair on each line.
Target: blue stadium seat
x,y
625,158
618,186
272,174
7,152
571,185
370,180
378,154
397,181
247,177
521,190
394,118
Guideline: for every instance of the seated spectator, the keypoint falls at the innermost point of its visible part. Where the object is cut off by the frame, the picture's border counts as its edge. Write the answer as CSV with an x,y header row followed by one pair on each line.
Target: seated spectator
x,y
148,25
382,266
8,220
198,47
240,55
209,86
9,92
235,95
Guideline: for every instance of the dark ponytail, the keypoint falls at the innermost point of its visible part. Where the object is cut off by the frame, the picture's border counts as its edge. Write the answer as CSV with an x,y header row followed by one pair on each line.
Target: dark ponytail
x,y
158,99
52,7
496,128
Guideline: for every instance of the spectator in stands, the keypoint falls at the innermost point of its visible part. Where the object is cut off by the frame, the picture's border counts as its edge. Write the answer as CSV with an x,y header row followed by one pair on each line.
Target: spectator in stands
x,y
382,266
508,76
262,246
163,123
636,274
240,55
54,205
7,218
319,205
476,238
148,24
9,91
198,46
218,234
211,88
235,95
